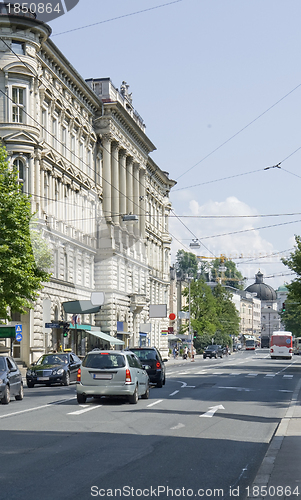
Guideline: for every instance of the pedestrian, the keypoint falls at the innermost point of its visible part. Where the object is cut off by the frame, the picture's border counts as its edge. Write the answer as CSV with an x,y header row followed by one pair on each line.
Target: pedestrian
x,y
175,352
193,351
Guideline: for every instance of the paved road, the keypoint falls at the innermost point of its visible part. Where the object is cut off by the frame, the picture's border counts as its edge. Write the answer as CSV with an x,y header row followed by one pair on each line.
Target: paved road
x,y
204,433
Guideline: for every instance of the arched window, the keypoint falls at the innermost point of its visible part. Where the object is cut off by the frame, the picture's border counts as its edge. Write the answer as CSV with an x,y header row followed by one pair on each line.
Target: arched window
x,y
19,167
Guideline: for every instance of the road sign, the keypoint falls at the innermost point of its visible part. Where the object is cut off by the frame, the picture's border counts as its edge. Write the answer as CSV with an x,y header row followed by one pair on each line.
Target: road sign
x,y
19,337
18,328
52,325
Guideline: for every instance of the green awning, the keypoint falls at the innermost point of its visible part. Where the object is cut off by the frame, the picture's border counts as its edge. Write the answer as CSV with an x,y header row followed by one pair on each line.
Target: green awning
x,y
80,307
106,337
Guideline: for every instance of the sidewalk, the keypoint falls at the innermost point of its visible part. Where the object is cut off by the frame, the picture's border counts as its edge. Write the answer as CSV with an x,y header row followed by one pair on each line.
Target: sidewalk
x,y
281,466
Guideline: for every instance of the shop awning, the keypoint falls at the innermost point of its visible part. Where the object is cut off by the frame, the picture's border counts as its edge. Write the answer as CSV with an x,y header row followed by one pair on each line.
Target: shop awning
x,y
106,337
171,336
80,307
123,333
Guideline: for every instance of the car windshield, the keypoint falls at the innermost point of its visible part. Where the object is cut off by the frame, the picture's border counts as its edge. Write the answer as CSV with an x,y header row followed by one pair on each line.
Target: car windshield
x,y
144,354
2,364
104,360
53,359
211,347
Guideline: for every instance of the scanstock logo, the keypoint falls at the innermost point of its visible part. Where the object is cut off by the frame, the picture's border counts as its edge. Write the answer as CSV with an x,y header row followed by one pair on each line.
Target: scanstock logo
x,y
43,10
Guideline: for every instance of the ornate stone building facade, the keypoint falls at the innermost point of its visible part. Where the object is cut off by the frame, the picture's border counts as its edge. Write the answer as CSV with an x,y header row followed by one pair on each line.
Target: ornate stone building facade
x,y
102,204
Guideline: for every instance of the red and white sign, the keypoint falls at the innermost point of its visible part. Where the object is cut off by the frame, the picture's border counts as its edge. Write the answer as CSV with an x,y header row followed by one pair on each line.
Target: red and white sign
x,y
172,316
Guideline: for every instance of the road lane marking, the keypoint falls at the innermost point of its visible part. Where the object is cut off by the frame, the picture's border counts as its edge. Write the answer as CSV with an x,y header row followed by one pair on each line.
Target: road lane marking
x,y
37,407
79,412
252,374
236,388
288,376
270,374
212,410
179,426
201,373
235,373
184,384
155,403
174,393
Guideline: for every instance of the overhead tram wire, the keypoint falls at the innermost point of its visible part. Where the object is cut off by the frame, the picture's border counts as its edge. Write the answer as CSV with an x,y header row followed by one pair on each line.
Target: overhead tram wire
x,y
239,131
117,17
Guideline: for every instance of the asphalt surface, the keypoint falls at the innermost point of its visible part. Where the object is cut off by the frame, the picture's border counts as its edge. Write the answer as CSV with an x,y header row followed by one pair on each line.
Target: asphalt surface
x,y
217,428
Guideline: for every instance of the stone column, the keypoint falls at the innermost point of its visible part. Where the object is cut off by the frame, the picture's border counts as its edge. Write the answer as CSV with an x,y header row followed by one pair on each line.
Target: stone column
x,y
129,186
37,182
115,182
136,201
122,183
142,202
107,208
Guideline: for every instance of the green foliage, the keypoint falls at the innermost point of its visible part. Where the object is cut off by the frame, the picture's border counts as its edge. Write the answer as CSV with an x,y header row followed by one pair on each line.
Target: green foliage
x,y
213,314
291,317
20,277
231,277
186,264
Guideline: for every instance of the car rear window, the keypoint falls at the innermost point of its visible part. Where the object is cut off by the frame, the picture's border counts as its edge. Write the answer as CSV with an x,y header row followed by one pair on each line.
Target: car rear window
x,y
104,361
2,364
212,347
145,354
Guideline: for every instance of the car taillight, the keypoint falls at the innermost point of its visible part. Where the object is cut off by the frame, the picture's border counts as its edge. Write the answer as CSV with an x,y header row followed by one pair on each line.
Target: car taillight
x,y
128,377
291,350
272,350
158,365
79,375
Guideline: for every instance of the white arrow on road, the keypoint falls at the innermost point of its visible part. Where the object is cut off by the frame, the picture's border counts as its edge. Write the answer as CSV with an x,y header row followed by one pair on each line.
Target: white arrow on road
x,y
212,411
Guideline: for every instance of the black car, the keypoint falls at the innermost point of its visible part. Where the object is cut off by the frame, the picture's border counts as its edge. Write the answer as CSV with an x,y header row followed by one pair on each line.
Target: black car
x,y
213,351
53,368
10,380
153,363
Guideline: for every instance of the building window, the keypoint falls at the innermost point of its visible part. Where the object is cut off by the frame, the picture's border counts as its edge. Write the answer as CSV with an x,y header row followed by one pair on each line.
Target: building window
x,y
54,133
19,168
18,48
64,141
18,107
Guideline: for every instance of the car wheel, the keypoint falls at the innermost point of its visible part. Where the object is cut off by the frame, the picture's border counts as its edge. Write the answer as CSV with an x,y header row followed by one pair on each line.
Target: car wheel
x,y
160,383
146,394
30,385
20,396
81,399
67,379
133,399
6,398
164,380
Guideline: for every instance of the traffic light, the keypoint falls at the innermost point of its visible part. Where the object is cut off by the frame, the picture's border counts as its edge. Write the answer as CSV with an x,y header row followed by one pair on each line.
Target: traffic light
x,y
283,307
65,329
195,334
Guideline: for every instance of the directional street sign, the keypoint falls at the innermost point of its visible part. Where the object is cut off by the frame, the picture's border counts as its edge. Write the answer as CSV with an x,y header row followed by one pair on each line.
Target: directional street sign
x,y
52,325
18,328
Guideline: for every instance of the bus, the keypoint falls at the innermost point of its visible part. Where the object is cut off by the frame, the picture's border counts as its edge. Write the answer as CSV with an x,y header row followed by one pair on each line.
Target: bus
x,y
297,345
281,345
250,344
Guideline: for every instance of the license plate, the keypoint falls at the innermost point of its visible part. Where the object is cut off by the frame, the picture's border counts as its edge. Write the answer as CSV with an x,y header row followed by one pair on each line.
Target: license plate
x,y
42,378
102,376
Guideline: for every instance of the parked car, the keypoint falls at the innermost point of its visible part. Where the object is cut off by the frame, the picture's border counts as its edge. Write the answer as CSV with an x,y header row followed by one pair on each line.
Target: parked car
x,y
112,373
213,351
151,358
53,368
10,380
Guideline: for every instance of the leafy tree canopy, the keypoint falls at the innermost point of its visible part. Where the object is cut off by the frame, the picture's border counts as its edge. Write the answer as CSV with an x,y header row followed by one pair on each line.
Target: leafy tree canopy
x,y
291,317
20,276
186,264
230,277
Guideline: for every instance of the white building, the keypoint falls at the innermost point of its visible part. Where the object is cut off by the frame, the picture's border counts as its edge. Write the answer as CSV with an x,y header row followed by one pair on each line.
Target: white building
x,y
83,155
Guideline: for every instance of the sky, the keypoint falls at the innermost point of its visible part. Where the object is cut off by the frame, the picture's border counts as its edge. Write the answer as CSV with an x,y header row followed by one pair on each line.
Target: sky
x,y
218,85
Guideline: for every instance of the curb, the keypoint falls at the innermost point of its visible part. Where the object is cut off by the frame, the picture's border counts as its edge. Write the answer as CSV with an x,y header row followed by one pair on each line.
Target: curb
x,y
266,468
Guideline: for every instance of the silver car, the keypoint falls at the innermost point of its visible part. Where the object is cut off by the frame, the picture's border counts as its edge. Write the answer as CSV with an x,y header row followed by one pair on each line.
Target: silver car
x,y
112,373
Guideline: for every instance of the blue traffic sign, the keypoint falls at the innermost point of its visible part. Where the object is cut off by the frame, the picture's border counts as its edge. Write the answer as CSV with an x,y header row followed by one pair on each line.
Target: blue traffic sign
x,y
18,328
52,325
19,337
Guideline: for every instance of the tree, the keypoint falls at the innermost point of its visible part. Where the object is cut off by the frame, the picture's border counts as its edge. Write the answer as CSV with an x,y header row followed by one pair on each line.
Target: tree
x,y
213,314
291,317
20,276
186,264
231,277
